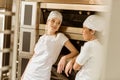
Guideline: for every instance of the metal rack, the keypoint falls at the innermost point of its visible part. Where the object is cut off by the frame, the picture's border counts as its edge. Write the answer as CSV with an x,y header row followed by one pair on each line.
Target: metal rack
x,y
8,50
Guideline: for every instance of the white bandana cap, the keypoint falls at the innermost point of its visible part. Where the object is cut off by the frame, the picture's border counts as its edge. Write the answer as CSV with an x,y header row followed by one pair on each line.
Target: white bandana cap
x,y
55,14
94,22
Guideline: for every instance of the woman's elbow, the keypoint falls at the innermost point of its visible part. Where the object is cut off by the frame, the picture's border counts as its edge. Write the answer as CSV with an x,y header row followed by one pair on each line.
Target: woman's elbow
x,y
75,52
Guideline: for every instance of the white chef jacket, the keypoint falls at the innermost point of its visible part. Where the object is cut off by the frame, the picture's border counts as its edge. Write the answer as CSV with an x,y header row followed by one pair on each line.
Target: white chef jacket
x,y
47,51
91,57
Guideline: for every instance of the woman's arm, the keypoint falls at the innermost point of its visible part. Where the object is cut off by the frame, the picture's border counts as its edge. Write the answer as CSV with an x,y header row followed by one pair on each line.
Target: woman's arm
x,y
72,65
72,49
69,66
77,66
73,53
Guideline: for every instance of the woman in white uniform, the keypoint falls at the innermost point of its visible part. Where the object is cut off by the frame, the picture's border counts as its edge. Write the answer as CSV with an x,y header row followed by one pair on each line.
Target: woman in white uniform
x,y
47,50
90,60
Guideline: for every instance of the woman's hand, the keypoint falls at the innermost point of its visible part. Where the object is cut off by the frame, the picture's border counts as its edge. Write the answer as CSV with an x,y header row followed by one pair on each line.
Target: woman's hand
x,y
61,64
69,67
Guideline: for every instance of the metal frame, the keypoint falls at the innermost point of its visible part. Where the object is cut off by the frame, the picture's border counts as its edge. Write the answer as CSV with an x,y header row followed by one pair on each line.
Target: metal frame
x,y
34,12
1,40
21,56
32,29
32,40
84,7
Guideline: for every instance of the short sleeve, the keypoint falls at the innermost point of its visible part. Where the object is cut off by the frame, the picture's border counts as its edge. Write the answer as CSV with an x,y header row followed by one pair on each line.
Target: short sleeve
x,y
62,38
84,55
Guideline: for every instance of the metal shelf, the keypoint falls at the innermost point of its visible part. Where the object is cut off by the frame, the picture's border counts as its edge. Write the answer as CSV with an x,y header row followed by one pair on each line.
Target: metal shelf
x,y
84,7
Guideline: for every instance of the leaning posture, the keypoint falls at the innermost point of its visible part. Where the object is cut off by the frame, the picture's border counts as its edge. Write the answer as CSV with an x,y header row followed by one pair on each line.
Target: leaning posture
x,y
47,49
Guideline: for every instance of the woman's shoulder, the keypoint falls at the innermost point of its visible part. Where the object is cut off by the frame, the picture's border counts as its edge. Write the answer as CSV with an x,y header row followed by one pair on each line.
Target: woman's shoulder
x,y
88,43
42,36
60,34
93,43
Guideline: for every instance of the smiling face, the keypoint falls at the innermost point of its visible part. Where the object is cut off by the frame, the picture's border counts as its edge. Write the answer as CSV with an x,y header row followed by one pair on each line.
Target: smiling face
x,y
53,25
88,34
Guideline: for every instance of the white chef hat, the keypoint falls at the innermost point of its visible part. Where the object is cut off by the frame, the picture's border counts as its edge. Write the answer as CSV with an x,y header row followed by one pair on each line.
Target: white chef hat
x,y
55,14
94,22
